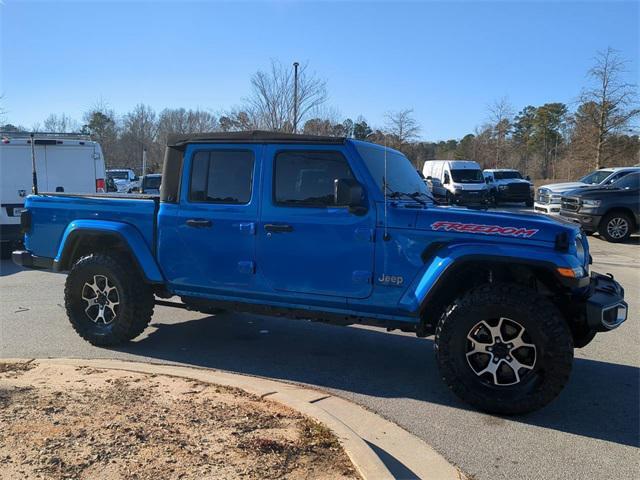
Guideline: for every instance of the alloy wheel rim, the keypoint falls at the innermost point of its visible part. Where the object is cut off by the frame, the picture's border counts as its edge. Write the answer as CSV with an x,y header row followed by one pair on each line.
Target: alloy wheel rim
x,y
102,300
617,227
500,352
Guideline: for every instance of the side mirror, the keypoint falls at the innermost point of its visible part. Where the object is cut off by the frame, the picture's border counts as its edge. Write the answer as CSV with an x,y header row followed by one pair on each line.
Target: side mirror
x,y
349,193
487,180
429,177
528,178
446,180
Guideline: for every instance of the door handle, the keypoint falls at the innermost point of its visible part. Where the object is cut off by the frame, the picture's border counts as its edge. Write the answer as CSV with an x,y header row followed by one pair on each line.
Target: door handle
x,y
278,228
198,223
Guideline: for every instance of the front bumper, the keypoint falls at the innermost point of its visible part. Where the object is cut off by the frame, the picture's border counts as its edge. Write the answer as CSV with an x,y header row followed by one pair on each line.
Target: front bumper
x,y
605,308
588,222
24,258
548,208
470,197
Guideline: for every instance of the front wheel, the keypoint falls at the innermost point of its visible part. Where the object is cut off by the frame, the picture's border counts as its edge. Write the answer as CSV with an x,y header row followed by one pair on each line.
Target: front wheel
x,y
616,227
107,301
504,349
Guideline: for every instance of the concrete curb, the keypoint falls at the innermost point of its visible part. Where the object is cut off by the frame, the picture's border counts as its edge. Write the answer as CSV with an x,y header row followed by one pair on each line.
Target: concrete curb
x,y
361,432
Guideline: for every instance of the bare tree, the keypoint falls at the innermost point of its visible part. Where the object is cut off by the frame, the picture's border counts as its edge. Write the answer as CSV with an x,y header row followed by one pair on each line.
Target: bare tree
x,y
613,102
271,100
501,120
139,132
180,120
62,123
402,126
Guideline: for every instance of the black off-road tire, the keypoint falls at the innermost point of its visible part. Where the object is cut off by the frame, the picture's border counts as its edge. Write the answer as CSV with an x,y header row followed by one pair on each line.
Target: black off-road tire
x,y
136,300
603,228
545,327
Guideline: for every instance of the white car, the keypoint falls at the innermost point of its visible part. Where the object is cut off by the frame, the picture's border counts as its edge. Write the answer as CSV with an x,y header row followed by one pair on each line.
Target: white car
x,y
548,196
125,179
64,163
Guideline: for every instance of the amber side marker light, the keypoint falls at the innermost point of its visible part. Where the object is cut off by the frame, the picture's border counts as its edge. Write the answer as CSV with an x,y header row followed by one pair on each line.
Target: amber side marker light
x,y
566,272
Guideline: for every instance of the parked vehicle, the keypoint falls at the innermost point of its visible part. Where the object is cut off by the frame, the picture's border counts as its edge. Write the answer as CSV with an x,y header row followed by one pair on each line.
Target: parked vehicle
x,y
462,179
549,196
64,162
612,210
125,179
334,230
150,184
437,190
507,185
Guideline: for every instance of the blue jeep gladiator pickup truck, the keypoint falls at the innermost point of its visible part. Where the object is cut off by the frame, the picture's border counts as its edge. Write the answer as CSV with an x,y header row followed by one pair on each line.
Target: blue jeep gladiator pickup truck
x,y
335,230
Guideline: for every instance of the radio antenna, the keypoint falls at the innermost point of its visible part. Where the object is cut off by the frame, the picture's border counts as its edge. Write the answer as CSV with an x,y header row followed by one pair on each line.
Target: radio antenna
x,y
34,175
385,237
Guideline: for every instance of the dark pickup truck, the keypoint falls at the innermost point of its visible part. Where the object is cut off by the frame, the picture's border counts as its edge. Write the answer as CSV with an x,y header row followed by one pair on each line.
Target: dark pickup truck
x,y
611,210
334,230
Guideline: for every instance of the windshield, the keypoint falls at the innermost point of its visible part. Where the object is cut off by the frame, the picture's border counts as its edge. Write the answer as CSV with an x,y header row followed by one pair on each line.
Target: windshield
x,y
467,175
152,182
401,174
506,175
118,175
596,177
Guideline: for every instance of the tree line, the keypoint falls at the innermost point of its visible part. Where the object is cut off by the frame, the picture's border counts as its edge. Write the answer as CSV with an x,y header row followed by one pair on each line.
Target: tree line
x,y
552,140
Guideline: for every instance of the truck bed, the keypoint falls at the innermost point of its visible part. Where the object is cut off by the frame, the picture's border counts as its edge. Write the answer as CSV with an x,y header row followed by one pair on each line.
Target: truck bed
x,y
51,214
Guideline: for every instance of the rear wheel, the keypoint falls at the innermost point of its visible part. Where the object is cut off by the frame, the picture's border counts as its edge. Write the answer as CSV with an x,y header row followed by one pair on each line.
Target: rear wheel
x,y
616,227
107,301
504,349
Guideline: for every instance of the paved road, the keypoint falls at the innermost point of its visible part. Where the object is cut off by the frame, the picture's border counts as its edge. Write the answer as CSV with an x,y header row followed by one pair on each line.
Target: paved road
x,y
590,432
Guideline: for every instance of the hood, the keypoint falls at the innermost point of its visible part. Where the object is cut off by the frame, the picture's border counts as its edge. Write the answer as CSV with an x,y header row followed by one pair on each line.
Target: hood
x,y
494,224
563,187
507,181
479,224
592,191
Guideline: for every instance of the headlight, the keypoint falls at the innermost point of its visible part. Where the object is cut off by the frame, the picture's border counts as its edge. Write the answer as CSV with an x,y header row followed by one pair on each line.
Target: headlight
x,y
591,203
503,187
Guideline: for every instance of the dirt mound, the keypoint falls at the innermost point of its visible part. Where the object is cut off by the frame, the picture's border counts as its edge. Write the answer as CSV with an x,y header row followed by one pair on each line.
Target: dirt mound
x,y
65,423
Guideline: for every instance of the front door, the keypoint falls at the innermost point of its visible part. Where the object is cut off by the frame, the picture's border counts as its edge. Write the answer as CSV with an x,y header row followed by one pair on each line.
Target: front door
x,y
216,219
306,244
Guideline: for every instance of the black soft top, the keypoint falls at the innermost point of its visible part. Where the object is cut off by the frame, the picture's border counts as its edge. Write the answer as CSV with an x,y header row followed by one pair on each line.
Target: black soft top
x,y
250,136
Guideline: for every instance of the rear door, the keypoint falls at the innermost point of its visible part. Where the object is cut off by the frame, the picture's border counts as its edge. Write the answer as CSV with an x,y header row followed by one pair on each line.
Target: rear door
x,y
16,178
70,168
306,244
214,249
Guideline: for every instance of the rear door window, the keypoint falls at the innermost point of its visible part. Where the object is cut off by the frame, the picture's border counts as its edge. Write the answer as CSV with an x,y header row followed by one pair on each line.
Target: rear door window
x,y
222,176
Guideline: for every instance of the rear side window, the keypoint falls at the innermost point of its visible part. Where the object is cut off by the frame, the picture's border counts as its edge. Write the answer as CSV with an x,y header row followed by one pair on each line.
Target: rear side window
x,y
307,178
222,176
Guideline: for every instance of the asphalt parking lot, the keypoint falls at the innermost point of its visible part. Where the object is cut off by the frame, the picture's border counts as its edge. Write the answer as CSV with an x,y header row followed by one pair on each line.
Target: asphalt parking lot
x,y
590,432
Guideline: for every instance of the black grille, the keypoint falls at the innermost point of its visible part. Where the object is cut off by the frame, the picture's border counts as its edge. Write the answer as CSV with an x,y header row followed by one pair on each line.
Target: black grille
x,y
519,189
571,204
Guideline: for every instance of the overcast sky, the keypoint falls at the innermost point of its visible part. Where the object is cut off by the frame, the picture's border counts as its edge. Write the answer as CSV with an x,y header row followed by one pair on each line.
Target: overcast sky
x,y
446,60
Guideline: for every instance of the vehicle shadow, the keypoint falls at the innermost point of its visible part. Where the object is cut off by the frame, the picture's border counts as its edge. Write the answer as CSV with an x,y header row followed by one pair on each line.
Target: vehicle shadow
x,y
600,401
7,267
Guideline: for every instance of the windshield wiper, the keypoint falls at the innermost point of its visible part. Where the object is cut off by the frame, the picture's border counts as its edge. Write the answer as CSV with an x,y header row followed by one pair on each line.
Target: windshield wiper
x,y
411,196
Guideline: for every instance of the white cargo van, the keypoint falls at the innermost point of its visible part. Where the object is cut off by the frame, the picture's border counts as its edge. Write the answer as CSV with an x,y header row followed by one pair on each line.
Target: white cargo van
x,y
64,163
463,180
